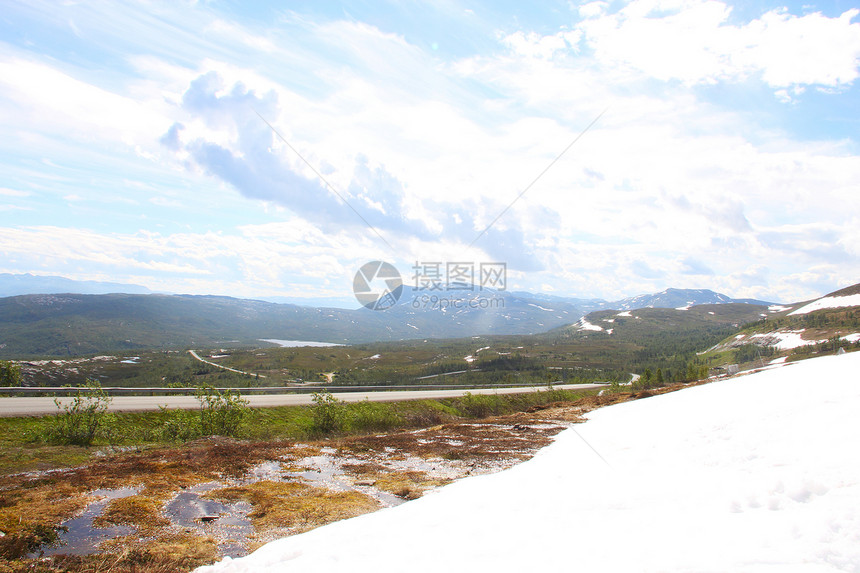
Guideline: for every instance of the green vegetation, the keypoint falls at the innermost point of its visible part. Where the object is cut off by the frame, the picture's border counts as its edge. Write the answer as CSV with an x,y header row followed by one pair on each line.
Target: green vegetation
x,y
221,413
79,422
10,373
328,413
26,443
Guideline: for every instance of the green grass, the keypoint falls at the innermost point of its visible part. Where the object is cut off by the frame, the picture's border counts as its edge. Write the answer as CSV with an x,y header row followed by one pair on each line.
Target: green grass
x,y
24,447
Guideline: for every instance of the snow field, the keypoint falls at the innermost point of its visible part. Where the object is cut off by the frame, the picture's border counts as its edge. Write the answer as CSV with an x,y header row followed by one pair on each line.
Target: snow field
x,y
755,473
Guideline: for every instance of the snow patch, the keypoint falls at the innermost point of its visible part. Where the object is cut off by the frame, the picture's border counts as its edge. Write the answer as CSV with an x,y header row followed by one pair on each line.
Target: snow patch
x,y
625,313
585,325
829,302
784,339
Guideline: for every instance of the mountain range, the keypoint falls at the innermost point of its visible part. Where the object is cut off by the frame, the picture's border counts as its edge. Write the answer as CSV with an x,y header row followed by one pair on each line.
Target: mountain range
x,y
74,323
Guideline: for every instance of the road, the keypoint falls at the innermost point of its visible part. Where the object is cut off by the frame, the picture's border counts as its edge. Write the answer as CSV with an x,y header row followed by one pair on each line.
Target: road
x,y
221,366
41,405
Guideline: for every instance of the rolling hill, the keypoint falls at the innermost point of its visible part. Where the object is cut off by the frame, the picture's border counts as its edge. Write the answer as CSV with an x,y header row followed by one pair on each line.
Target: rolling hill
x,y
84,324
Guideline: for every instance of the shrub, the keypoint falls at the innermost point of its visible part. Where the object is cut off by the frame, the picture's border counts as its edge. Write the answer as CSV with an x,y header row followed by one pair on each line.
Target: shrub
x,y
376,416
328,413
78,422
482,405
179,426
221,413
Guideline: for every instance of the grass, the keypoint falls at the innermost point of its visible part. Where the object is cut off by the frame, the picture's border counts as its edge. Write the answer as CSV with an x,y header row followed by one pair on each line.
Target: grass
x,y
293,506
141,511
23,446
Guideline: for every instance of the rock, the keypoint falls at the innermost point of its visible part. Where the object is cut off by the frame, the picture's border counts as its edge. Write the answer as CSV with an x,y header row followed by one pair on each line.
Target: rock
x,y
207,518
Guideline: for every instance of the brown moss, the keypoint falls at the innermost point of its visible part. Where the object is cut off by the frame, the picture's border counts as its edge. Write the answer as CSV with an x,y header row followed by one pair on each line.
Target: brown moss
x,y
140,511
295,506
407,485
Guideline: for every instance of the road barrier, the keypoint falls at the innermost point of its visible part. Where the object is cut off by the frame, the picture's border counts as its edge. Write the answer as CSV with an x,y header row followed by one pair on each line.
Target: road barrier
x,y
305,389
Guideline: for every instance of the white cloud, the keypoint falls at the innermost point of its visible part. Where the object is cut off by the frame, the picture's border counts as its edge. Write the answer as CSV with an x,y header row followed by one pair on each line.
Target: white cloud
x,y
665,184
693,42
6,192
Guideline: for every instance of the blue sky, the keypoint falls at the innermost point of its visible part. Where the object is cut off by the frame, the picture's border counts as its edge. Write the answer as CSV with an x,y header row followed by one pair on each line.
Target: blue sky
x,y
134,147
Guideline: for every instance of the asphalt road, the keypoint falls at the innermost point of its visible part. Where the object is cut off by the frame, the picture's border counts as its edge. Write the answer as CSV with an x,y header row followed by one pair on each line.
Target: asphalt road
x,y
41,405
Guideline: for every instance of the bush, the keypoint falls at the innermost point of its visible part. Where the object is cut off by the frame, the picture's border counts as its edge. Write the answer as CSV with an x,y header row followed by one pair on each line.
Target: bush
x,y
79,422
10,373
221,413
482,405
374,416
328,413
179,426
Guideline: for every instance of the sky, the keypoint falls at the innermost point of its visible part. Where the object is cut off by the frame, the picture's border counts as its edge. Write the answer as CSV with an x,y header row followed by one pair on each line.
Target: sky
x,y
271,149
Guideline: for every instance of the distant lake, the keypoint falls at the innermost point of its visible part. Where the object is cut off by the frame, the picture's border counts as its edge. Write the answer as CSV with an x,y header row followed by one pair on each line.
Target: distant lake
x,y
291,343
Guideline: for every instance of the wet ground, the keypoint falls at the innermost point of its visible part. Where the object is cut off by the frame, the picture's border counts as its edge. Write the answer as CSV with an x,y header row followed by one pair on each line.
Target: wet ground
x,y
217,496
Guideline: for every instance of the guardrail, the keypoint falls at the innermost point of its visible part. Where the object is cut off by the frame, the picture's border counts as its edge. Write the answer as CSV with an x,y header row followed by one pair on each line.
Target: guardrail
x,y
158,391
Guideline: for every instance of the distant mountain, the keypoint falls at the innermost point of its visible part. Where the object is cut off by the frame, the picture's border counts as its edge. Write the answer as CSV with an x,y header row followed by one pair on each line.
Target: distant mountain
x,y
14,285
680,298
76,324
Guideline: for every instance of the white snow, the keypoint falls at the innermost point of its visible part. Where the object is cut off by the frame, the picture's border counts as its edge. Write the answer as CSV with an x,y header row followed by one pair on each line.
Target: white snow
x,y
852,337
411,326
585,325
625,313
777,308
756,473
540,307
780,360
784,339
829,302
295,343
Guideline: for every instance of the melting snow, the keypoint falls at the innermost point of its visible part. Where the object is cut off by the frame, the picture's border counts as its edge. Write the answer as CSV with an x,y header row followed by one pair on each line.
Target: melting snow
x,y
784,339
540,307
769,484
585,325
829,302
625,313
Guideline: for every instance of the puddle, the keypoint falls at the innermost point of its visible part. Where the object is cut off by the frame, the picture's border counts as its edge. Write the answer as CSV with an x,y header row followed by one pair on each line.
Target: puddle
x,y
81,537
227,523
326,472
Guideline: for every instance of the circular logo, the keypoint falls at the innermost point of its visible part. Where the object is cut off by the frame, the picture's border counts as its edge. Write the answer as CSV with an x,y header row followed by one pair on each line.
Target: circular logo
x,y
377,285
